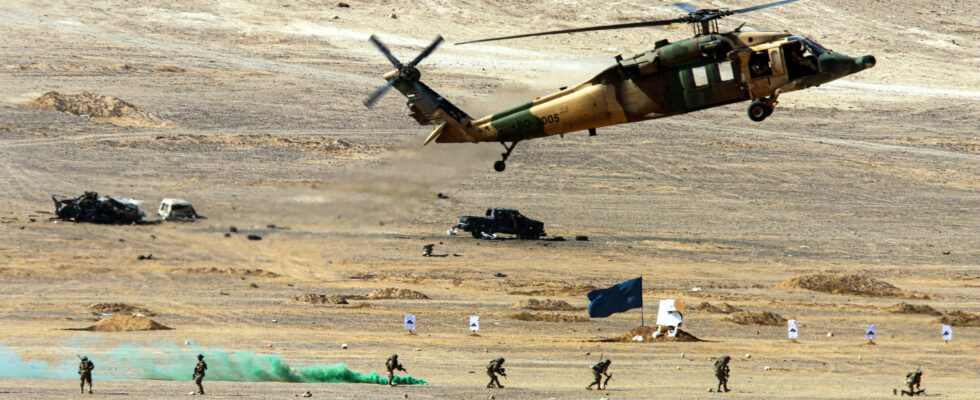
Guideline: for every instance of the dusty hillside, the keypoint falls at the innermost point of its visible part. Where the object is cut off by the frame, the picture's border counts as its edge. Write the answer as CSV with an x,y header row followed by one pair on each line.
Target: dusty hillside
x,y
877,176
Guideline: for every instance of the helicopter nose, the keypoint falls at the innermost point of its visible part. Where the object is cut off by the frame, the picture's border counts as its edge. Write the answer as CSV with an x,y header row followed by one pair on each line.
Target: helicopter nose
x,y
869,61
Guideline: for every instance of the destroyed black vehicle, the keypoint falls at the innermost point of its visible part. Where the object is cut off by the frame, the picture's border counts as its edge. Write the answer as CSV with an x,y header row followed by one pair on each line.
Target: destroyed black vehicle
x,y
90,207
500,220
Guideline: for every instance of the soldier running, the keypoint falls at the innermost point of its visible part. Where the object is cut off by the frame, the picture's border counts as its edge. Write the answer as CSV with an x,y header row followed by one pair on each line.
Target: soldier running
x,y
598,371
721,372
914,381
391,365
496,367
199,373
85,372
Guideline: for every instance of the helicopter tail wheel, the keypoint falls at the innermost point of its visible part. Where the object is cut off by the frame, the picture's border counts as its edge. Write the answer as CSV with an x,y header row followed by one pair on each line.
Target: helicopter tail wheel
x,y
759,110
501,165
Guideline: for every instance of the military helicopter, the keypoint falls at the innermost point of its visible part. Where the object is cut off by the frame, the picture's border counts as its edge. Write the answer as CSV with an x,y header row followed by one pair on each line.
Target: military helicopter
x,y
708,70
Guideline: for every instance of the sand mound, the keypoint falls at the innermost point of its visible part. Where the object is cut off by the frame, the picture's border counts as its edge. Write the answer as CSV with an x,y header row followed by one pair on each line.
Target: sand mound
x,y
123,323
647,333
239,272
855,284
548,317
392,293
100,107
961,318
118,308
756,318
313,298
546,305
906,308
723,308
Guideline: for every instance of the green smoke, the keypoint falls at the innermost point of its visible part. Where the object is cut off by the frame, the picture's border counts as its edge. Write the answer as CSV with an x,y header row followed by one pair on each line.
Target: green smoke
x,y
174,363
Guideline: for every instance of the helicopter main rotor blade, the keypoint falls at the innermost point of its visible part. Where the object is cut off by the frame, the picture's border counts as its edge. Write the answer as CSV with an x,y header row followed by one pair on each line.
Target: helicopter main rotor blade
x,y
642,24
378,93
756,8
428,50
685,7
384,50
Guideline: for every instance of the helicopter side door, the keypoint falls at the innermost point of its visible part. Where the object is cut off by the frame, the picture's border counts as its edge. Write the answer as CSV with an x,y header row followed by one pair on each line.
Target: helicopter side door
x,y
764,69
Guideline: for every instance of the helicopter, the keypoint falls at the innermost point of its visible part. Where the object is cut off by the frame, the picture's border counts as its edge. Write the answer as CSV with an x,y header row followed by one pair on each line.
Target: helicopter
x,y
710,69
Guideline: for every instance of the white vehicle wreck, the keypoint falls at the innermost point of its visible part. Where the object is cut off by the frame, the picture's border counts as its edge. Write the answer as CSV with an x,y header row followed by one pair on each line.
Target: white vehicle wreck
x,y
177,210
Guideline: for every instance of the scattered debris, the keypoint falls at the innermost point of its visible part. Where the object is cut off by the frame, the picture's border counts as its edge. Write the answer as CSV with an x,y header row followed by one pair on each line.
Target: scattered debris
x,y
650,334
546,305
756,318
146,257
442,196
121,323
500,275
500,220
548,317
723,308
343,346
90,207
233,229
253,285
98,107
854,284
307,394
254,237
582,238
177,210
313,298
393,16
343,5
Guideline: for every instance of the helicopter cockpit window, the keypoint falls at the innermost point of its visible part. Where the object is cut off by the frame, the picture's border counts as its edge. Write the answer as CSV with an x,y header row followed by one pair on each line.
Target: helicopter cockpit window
x,y
813,47
725,72
700,75
759,64
800,61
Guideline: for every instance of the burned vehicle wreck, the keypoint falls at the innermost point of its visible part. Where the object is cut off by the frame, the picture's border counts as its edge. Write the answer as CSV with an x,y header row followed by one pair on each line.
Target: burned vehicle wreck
x,y
500,220
90,207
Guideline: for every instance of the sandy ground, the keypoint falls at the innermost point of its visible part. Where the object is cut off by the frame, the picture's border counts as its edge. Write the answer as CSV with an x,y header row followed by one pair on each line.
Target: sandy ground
x,y
876,174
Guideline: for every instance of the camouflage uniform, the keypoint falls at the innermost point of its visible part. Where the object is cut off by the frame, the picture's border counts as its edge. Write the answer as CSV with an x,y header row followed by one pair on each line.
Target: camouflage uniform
x,y
493,369
914,381
721,372
598,371
391,365
199,373
85,372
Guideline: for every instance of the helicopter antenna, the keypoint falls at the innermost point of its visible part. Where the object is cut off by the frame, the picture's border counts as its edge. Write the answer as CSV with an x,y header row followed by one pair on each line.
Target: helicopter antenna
x,y
705,21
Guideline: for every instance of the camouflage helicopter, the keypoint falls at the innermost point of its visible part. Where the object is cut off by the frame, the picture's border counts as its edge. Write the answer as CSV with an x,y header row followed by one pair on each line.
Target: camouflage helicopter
x,y
708,70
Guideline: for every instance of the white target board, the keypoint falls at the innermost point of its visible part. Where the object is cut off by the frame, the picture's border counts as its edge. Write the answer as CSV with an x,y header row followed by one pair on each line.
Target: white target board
x,y
474,323
668,314
947,332
410,323
792,329
871,332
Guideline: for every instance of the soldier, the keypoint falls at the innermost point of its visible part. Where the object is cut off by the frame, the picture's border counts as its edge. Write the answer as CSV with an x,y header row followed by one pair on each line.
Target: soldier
x,y
427,250
199,373
598,371
493,369
85,372
721,372
914,381
392,364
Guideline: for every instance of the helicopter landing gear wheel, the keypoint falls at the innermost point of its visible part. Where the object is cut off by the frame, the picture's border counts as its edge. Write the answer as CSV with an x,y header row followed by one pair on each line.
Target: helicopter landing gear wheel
x,y
759,110
501,165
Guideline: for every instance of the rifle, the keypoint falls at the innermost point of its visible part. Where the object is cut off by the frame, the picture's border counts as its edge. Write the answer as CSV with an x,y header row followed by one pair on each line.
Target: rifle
x,y
606,383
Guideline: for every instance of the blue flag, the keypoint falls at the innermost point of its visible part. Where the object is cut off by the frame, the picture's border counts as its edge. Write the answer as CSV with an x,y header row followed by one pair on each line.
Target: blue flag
x,y
616,299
